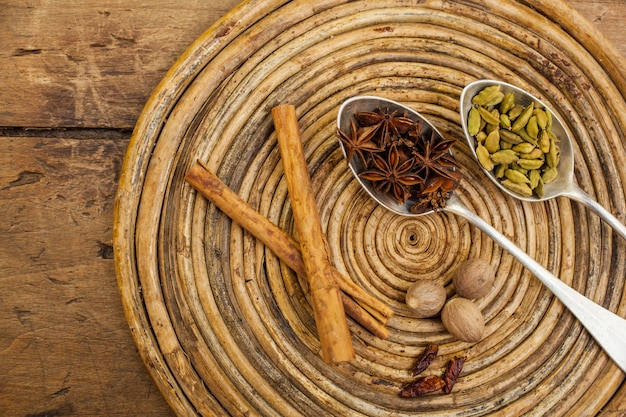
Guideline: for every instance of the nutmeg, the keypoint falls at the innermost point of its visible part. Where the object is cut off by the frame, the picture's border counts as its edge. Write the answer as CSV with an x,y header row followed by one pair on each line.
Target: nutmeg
x,y
474,278
426,298
463,319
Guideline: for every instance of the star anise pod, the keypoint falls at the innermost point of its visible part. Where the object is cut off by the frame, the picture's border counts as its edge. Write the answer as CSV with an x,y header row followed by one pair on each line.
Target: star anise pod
x,y
434,194
431,155
415,132
402,158
438,183
433,201
388,125
392,175
359,141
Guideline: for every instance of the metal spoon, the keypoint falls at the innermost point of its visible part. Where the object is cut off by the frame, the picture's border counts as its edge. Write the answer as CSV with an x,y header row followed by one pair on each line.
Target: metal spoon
x,y
564,184
608,329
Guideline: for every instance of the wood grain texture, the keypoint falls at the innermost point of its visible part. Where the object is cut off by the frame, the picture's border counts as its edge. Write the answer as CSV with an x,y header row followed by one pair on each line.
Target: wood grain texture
x,y
65,346
607,16
91,63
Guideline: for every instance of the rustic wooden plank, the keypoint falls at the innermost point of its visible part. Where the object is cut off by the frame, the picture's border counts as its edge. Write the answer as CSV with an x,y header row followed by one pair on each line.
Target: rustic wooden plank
x,y
608,16
65,346
89,63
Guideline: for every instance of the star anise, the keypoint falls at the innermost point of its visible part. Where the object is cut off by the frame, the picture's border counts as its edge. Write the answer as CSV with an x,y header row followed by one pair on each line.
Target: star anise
x,y
433,201
388,125
411,137
434,194
432,156
359,141
392,175
404,160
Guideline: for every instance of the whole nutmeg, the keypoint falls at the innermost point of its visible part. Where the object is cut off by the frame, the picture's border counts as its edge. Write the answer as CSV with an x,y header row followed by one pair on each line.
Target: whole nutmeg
x,y
426,298
474,278
463,320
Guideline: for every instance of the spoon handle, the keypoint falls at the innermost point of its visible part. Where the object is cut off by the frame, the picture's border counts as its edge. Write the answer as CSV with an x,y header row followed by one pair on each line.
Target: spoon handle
x,y
579,195
607,328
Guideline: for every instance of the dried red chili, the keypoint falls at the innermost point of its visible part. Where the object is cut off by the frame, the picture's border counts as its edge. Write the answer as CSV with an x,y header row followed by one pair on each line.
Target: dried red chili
x,y
425,359
422,386
455,366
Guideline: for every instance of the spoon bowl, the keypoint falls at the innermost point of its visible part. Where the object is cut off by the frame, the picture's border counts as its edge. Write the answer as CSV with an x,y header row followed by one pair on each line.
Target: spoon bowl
x,y
564,184
373,103
606,327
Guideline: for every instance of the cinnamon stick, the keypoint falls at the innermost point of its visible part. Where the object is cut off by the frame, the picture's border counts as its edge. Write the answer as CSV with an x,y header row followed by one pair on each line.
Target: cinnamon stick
x,y
328,310
382,311
282,245
363,317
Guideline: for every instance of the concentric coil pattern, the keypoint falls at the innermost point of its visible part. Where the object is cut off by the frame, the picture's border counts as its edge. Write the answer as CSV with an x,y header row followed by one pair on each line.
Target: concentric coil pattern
x,y
227,329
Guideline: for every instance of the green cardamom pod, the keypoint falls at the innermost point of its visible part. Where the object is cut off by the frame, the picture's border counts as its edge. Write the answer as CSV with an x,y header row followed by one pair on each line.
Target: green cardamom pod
x,y
508,102
516,176
553,156
519,168
524,135
544,141
530,163
492,142
532,127
549,175
508,136
522,189
473,121
505,122
534,176
524,147
505,156
486,95
515,112
497,99
488,117
484,158
500,169
549,118
536,153
523,118
542,118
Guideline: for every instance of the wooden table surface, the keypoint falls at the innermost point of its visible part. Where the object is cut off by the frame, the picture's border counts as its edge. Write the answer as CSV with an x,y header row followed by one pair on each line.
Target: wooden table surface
x,y
74,77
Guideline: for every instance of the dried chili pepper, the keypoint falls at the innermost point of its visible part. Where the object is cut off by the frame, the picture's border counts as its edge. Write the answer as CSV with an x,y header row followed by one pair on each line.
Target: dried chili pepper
x,y
422,386
455,366
425,359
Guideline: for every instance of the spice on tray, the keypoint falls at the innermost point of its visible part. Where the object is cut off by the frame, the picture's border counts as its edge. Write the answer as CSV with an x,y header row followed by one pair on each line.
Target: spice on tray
x,y
455,366
425,359
431,383
474,278
363,307
425,298
514,142
422,386
403,158
330,320
463,319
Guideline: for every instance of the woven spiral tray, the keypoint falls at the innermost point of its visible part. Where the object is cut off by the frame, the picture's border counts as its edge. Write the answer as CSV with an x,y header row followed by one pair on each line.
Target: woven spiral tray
x,y
226,329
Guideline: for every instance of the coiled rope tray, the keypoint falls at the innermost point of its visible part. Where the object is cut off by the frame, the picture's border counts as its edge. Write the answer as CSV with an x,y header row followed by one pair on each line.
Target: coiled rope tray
x,y
226,329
